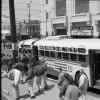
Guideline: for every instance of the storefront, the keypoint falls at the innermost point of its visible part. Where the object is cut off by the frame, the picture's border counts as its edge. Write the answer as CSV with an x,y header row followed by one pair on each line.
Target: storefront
x,y
81,29
60,29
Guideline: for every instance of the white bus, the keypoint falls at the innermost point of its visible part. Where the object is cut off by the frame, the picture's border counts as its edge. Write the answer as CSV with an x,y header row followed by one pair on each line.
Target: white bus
x,y
71,55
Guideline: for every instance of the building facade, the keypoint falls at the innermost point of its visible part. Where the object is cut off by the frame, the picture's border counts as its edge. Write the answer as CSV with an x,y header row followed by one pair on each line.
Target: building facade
x,y
24,30
70,17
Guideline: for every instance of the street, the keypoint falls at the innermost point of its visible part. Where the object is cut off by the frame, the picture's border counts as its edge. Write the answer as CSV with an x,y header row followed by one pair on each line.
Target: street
x,y
50,94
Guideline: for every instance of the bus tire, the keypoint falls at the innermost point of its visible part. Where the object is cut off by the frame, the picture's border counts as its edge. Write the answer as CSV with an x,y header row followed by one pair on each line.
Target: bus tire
x,y
77,76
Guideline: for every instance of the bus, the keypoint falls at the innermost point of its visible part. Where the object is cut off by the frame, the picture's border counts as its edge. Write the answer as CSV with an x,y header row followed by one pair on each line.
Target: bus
x,y
71,55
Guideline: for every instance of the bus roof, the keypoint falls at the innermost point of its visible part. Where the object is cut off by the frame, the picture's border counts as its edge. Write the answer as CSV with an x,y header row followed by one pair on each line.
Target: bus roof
x,y
20,43
67,42
30,41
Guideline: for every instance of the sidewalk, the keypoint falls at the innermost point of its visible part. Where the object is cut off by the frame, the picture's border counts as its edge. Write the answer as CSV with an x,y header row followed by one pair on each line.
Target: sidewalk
x,y
51,93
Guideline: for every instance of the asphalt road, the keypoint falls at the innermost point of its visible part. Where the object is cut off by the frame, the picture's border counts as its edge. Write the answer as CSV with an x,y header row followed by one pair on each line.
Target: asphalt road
x,y
50,94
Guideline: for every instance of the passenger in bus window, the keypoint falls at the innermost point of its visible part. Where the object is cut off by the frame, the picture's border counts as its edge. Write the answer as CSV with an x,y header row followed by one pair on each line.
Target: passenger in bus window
x,y
83,83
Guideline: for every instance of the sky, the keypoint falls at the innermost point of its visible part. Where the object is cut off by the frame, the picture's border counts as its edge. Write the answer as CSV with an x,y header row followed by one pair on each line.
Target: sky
x,y
21,10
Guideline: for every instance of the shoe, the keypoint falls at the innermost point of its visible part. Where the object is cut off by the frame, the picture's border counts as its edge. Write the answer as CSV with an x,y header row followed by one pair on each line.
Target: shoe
x,y
46,87
40,90
17,98
32,96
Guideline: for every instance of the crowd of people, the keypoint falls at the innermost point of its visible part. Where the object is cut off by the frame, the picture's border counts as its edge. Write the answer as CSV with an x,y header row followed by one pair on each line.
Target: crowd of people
x,y
26,66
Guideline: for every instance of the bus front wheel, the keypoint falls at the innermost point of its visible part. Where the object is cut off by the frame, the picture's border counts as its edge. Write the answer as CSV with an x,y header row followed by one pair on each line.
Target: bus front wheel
x,y
77,76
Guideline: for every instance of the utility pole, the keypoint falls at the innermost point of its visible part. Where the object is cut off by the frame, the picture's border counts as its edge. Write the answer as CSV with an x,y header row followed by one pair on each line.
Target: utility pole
x,y
13,29
46,23
29,28
20,29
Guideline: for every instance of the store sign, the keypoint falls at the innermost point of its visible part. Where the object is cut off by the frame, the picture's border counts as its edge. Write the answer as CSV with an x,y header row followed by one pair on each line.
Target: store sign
x,y
81,33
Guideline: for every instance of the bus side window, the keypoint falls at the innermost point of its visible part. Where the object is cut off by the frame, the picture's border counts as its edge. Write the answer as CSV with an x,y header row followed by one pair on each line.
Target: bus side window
x,y
47,54
82,58
29,51
25,51
59,55
65,56
73,57
20,49
52,54
41,52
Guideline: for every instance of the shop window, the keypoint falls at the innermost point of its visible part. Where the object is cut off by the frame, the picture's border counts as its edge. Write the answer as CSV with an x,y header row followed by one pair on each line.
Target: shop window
x,y
60,7
59,55
65,56
52,54
82,58
47,53
73,57
81,6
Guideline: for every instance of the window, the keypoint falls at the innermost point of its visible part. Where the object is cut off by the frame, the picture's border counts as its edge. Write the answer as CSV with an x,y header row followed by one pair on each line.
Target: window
x,y
52,54
25,51
47,53
60,7
59,55
29,51
81,6
82,58
46,1
47,15
41,53
65,56
73,57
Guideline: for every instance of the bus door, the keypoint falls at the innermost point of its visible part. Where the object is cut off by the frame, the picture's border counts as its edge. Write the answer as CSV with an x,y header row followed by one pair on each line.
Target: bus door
x,y
94,62
92,65
97,53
